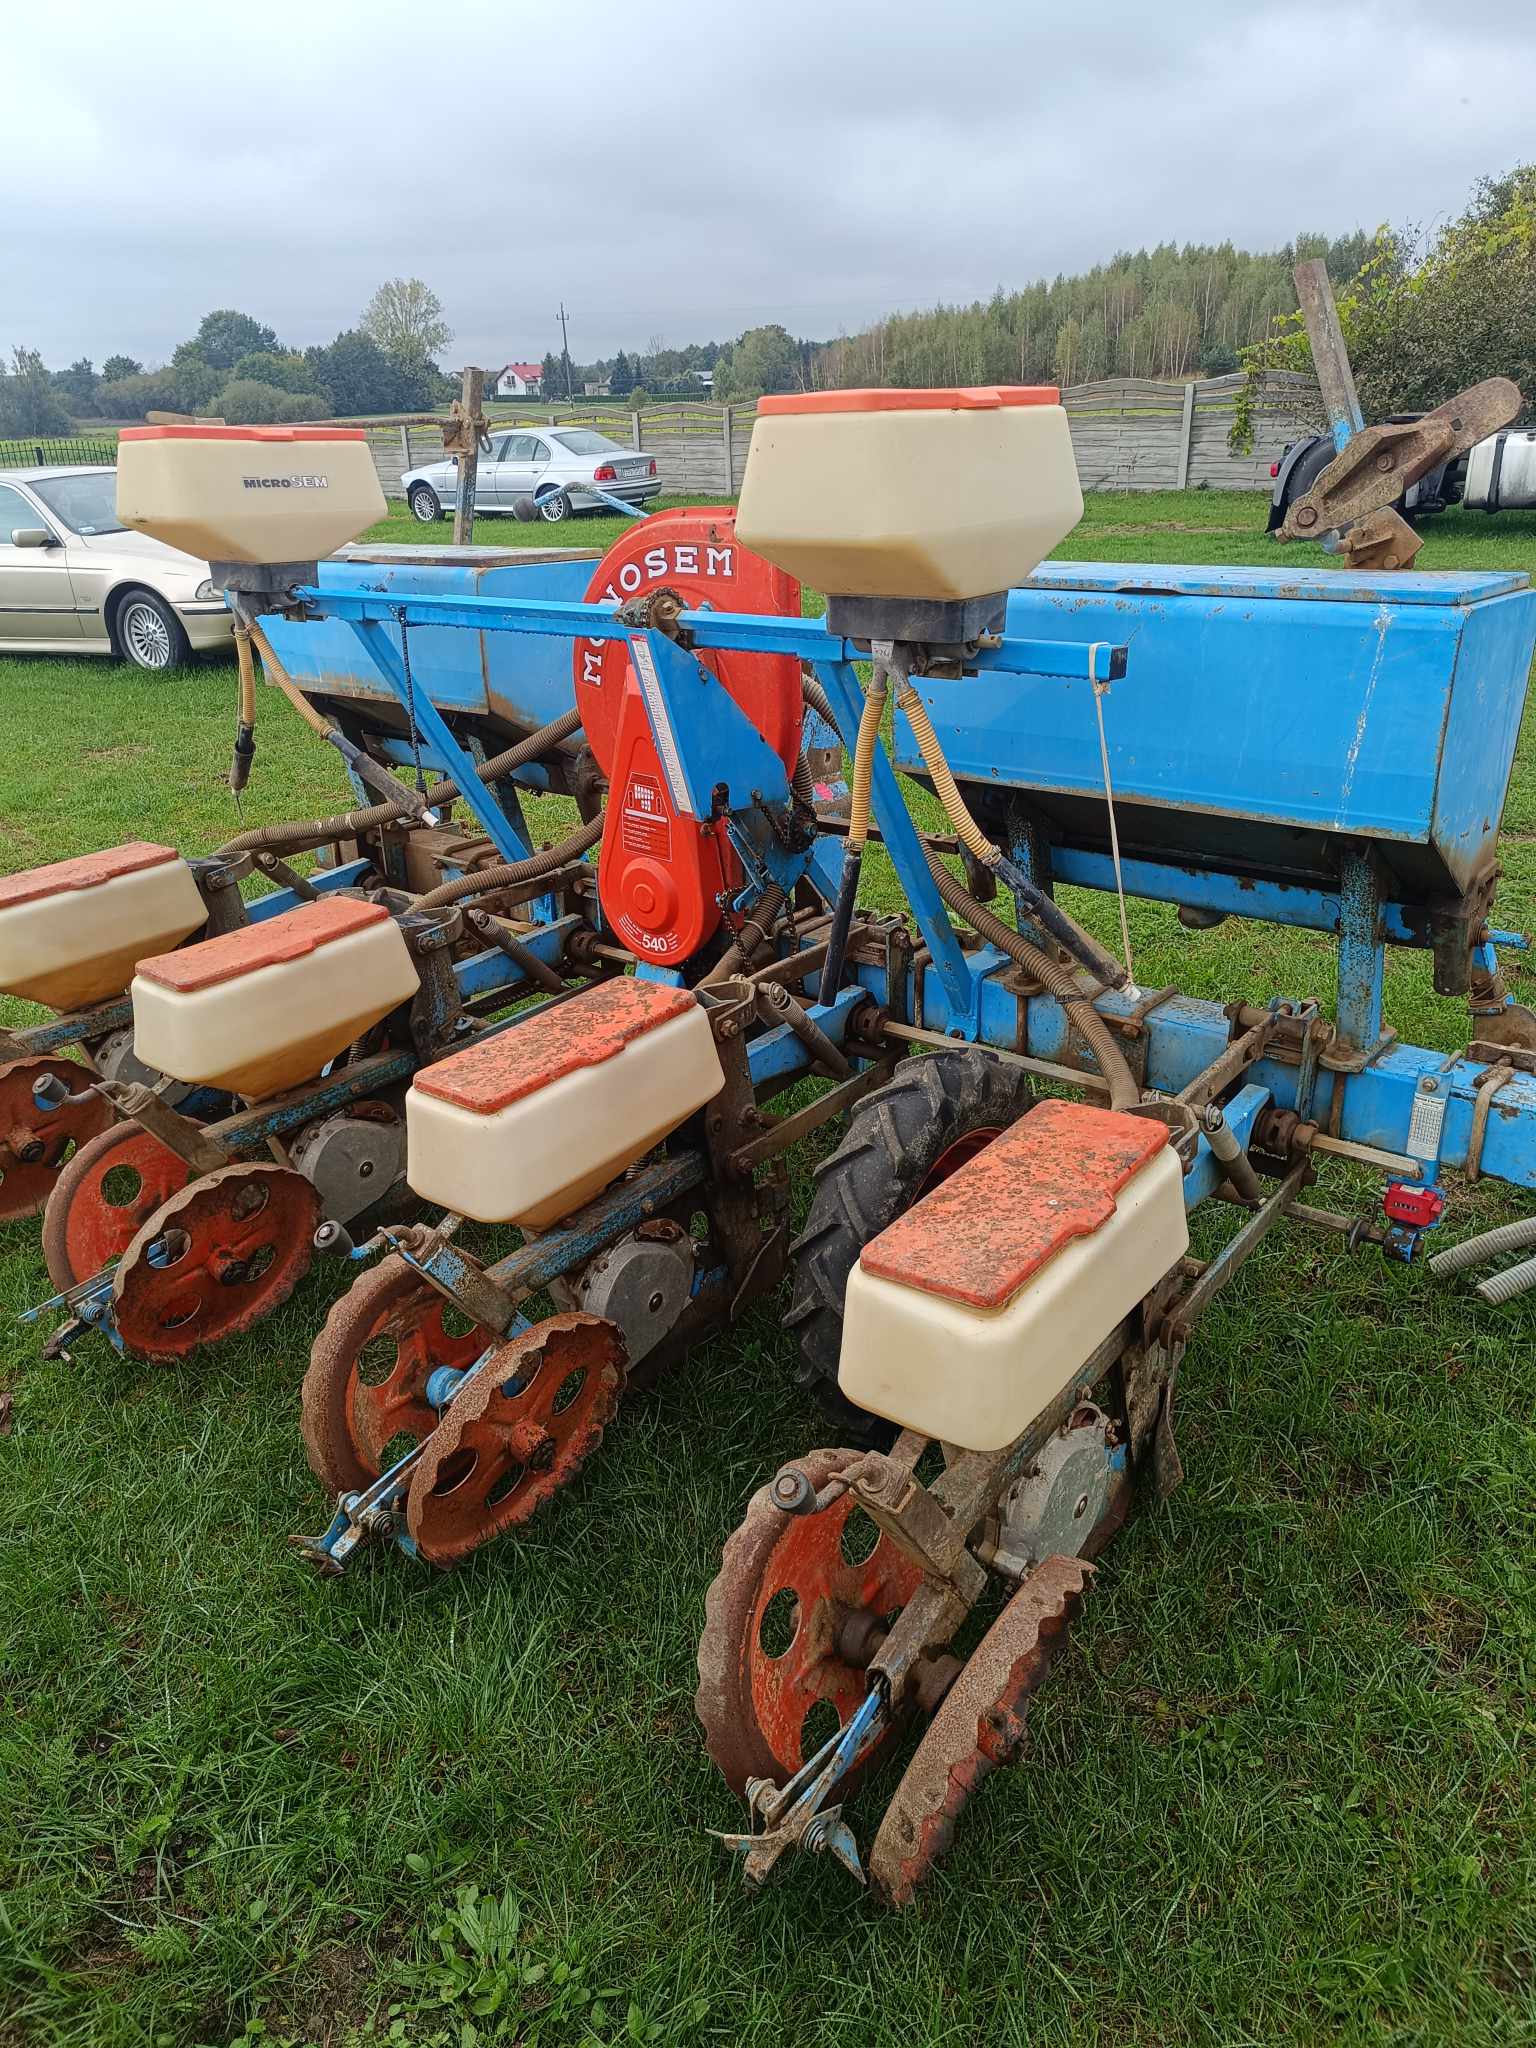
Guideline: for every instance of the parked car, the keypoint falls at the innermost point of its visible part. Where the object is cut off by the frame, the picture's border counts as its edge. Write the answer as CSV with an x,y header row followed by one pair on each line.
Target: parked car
x,y
1495,475
74,581
521,464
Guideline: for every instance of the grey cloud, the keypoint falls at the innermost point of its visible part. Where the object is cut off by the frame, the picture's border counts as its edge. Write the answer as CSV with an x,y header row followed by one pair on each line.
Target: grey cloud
x,y
691,170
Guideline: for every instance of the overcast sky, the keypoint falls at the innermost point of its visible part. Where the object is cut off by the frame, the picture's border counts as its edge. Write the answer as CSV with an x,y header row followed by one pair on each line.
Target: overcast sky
x,y
688,171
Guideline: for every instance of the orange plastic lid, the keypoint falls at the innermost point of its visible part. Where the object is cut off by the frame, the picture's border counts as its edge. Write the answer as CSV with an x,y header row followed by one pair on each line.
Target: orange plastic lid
x,y
961,398
589,1029
85,871
195,432
288,936
1005,1213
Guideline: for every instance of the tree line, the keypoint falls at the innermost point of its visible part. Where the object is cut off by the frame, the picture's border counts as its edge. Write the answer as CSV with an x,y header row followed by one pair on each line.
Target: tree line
x,y
235,368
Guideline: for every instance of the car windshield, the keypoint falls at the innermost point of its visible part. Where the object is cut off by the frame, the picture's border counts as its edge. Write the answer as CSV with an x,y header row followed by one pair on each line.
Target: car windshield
x,y
582,441
87,503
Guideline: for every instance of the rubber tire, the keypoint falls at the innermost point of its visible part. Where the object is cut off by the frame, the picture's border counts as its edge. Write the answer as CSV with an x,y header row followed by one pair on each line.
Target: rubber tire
x,y
895,1138
422,495
180,645
555,508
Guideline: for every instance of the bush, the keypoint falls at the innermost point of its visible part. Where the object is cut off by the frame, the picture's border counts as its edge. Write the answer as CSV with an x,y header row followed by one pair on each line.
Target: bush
x,y
244,402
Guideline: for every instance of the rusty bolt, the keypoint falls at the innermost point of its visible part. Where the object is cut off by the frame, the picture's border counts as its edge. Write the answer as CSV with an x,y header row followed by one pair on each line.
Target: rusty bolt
x,y
1386,460
1306,516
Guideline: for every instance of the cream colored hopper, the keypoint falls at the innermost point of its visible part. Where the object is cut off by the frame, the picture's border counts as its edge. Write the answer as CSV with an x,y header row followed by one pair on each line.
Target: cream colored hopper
x,y
528,1125
71,934
975,1309
263,1009
939,495
248,494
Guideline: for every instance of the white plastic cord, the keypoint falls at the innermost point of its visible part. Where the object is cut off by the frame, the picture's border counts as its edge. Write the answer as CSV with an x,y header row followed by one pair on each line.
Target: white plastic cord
x,y
1100,692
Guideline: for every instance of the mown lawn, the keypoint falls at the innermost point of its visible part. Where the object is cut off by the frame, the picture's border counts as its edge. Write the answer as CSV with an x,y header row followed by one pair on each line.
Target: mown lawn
x,y
1282,1790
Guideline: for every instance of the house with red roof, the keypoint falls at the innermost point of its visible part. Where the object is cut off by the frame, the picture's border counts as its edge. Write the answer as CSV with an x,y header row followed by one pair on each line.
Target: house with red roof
x,y
518,380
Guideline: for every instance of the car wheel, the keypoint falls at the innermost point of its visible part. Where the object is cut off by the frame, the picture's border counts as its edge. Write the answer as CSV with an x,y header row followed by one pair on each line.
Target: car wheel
x,y
555,507
149,634
425,504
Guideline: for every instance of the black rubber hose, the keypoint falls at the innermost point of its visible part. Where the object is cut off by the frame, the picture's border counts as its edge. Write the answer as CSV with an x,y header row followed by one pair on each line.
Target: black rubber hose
x,y
294,838
507,875
757,929
1083,1017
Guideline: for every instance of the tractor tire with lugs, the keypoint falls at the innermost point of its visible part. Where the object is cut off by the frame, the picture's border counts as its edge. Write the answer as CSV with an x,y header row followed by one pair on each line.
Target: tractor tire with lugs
x,y
935,1112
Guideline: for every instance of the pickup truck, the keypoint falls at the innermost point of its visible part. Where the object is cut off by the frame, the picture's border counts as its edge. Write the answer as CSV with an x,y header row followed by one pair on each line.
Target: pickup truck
x,y
1496,475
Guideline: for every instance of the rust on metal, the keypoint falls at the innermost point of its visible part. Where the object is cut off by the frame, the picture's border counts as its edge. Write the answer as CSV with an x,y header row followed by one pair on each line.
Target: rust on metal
x,y
368,1370
35,1142
86,871
980,1724
1002,1215
590,1027
274,941
515,1434
757,1687
102,1198
214,1259
1381,540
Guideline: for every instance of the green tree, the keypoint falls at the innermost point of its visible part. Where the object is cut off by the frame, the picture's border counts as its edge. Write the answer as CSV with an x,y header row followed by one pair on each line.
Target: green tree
x,y
223,337
28,402
763,359
287,372
405,318
245,401
621,378
120,366
77,385
360,377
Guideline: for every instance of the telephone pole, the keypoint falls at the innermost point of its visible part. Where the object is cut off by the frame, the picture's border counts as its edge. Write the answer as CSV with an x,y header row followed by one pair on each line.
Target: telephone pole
x,y
565,356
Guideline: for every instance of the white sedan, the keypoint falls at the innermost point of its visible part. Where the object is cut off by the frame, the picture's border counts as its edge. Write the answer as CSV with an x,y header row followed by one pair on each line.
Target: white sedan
x,y
74,580
549,468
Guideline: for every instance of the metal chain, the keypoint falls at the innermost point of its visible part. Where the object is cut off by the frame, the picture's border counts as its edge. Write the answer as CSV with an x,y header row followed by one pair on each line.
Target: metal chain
x,y
410,697
1100,692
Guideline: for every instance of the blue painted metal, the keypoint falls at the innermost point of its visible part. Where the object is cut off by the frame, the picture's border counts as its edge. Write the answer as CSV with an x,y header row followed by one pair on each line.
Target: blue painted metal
x,y
493,820
323,881
1362,957
1240,1115
705,742
1267,716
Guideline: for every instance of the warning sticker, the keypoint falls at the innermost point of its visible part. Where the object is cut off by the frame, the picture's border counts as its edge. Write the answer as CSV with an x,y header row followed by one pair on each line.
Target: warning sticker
x,y
645,824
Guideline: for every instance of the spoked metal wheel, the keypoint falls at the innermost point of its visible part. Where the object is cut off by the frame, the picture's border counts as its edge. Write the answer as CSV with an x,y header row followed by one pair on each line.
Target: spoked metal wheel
x,y
366,1387
36,1141
521,1430
214,1260
103,1197
150,634
799,1608
426,506
554,507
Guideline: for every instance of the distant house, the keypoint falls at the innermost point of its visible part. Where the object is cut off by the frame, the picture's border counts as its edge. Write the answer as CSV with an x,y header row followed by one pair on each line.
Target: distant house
x,y
592,390
519,380
704,377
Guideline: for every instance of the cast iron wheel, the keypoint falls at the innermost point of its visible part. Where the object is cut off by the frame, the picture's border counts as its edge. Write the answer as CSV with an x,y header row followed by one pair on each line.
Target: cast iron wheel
x,y
149,634
425,504
934,1113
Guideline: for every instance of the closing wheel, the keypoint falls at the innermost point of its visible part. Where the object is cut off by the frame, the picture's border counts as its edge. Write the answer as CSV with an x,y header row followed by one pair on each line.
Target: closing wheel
x,y
366,1385
214,1259
800,1606
979,1725
103,1196
933,1114
36,1142
520,1430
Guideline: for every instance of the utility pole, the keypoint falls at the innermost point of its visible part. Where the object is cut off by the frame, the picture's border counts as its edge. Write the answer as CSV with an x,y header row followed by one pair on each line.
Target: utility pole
x,y
565,356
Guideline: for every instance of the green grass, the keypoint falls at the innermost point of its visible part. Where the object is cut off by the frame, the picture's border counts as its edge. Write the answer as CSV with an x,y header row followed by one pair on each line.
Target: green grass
x,y
1282,1790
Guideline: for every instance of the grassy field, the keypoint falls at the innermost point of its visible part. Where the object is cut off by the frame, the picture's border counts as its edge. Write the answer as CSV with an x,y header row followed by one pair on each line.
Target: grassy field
x,y
1281,1791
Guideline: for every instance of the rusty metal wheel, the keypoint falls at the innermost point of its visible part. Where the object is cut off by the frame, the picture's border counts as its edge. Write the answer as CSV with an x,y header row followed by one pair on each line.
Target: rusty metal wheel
x,y
106,1192
521,1430
214,1259
790,1625
36,1143
979,1725
368,1372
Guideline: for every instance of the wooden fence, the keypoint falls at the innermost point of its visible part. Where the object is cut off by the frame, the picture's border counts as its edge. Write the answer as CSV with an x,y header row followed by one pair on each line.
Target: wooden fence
x,y
1128,435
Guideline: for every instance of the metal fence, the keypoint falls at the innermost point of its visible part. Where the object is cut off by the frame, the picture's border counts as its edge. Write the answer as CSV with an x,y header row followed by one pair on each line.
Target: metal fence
x,y
1128,435
26,453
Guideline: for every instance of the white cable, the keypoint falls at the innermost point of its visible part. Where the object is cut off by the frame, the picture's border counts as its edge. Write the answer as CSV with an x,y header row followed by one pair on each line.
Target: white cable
x,y
1100,692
